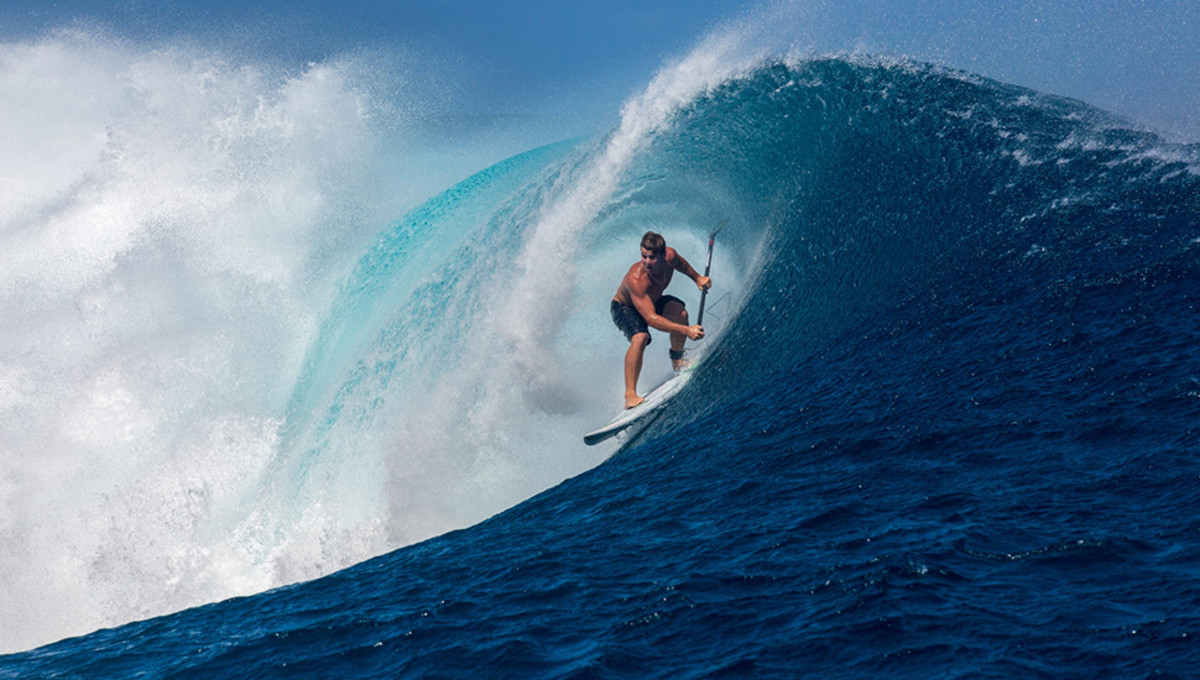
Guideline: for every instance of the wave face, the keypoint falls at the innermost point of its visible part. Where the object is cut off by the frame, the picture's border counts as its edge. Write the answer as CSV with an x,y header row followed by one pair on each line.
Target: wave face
x,y
943,424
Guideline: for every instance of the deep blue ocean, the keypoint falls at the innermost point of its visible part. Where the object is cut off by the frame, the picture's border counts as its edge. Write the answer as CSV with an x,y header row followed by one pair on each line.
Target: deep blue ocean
x,y
945,423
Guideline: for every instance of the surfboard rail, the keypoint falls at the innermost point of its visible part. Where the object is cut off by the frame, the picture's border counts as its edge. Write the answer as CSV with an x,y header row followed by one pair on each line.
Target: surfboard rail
x,y
655,400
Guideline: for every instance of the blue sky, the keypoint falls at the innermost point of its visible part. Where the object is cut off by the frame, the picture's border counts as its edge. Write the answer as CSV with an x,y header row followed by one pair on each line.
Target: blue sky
x,y
1139,58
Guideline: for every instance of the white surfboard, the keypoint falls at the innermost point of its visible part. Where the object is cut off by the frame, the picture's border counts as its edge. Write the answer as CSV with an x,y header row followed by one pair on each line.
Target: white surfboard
x,y
640,415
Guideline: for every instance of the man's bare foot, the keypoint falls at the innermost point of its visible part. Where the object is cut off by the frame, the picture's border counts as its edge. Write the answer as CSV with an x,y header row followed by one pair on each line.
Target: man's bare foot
x,y
680,364
631,401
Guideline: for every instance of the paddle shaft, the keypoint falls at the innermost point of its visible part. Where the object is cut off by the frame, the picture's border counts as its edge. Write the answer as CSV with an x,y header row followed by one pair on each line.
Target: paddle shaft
x,y
707,267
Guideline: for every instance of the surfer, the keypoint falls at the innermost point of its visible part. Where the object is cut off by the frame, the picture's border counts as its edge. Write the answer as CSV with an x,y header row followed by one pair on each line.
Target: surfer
x,y
640,305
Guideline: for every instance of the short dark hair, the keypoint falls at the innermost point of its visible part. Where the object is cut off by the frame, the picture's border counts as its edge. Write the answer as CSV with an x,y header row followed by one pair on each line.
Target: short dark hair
x,y
653,242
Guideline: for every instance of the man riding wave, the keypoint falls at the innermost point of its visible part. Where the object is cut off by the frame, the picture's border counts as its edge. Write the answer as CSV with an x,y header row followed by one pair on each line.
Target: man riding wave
x,y
639,304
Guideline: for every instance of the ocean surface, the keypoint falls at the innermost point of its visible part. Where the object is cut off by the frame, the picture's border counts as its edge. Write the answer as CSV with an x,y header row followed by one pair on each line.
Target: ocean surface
x,y
945,423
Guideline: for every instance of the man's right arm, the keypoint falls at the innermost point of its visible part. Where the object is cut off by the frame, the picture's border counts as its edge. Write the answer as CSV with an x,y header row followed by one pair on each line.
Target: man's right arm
x,y
642,303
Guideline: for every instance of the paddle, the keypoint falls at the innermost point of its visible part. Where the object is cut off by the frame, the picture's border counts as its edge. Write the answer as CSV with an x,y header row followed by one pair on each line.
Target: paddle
x,y
707,267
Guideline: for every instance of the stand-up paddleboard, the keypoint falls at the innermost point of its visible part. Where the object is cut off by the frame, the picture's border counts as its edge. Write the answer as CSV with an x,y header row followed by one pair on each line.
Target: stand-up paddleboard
x,y
642,414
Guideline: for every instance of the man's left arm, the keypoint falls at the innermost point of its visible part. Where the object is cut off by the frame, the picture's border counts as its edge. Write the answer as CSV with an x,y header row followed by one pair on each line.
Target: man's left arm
x,y
685,268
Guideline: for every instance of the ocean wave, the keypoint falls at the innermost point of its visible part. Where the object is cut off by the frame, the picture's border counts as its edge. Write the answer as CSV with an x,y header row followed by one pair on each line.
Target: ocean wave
x,y
263,416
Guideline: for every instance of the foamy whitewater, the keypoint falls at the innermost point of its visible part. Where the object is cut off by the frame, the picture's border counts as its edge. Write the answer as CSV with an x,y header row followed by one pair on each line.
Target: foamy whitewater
x,y
262,324
176,225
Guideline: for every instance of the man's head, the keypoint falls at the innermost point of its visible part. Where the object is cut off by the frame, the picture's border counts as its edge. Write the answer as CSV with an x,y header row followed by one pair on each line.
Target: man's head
x,y
654,247
655,243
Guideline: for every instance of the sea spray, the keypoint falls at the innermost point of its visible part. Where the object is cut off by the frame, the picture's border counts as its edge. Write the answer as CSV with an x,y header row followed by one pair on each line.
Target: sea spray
x,y
174,223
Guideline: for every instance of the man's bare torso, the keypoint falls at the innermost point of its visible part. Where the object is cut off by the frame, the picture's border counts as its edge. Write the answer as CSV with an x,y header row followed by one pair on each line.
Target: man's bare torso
x,y
652,283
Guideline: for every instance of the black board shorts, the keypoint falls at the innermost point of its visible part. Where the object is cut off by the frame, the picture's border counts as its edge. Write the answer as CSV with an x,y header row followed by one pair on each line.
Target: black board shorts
x,y
631,322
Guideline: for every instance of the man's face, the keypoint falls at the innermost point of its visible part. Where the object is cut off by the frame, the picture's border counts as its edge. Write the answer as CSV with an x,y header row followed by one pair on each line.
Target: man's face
x,y
651,260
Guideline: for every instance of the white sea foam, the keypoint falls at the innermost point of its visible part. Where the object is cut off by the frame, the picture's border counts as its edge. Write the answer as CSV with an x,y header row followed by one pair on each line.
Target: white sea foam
x,y
173,223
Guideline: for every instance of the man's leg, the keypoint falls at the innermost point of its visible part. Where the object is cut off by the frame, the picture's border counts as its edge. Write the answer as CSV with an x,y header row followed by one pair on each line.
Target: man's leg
x,y
633,367
675,311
